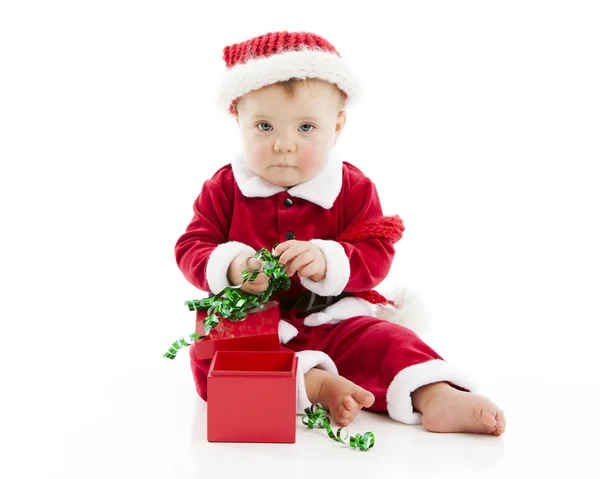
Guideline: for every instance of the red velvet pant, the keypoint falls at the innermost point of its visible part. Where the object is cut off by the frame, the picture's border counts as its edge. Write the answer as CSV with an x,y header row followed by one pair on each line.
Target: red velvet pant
x,y
385,358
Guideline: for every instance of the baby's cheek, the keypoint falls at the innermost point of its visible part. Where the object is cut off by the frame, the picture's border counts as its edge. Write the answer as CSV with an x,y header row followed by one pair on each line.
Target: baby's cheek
x,y
261,154
313,159
308,156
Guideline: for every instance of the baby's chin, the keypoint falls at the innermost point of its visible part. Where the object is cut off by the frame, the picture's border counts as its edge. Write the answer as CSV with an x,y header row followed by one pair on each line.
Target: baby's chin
x,y
285,180
284,184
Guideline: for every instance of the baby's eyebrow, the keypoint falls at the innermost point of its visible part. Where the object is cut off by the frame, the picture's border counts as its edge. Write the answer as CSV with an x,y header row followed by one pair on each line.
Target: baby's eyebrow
x,y
310,118
266,117
261,116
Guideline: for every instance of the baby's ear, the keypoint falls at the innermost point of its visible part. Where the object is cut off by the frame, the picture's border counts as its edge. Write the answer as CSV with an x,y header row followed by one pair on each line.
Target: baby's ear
x,y
339,125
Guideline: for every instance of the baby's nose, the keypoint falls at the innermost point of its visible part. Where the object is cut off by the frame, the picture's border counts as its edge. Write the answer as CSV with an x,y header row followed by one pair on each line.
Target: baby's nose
x,y
283,145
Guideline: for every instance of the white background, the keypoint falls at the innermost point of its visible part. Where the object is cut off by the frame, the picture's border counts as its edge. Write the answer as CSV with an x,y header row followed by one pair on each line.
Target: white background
x,y
480,127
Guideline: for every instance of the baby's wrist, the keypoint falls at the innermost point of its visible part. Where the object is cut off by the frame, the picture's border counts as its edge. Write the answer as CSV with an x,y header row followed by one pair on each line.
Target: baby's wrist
x,y
317,277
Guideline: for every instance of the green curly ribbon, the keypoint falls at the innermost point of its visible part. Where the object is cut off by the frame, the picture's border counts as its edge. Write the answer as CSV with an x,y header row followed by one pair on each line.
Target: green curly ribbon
x,y
177,345
316,416
234,304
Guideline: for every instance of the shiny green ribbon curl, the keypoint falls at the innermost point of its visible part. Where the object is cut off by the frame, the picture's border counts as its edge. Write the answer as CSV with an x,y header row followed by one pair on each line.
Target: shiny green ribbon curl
x,y
234,304
316,416
180,343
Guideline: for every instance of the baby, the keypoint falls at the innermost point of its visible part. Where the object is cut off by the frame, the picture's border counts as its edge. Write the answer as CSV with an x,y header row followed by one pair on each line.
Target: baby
x,y
289,93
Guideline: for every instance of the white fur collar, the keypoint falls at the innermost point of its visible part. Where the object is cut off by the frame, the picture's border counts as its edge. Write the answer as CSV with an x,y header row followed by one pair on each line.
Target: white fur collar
x,y
322,190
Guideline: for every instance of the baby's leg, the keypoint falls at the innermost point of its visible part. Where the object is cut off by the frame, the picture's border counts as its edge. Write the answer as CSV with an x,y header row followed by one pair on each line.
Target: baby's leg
x,y
407,377
342,398
446,409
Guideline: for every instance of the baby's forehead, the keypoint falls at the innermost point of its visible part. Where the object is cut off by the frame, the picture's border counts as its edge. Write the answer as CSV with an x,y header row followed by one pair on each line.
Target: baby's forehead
x,y
290,112
306,96
307,86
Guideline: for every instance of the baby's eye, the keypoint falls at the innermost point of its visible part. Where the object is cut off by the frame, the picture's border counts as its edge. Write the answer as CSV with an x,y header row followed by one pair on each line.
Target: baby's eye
x,y
264,126
306,130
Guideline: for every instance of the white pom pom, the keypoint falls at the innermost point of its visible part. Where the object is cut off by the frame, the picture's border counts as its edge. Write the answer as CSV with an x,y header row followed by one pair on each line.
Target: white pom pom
x,y
408,310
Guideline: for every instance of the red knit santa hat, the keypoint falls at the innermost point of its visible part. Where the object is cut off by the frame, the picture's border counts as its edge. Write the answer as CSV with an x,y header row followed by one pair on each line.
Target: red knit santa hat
x,y
280,56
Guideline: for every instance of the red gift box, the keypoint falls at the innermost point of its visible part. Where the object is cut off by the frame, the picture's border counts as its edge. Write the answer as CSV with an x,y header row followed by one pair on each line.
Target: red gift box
x,y
252,397
258,332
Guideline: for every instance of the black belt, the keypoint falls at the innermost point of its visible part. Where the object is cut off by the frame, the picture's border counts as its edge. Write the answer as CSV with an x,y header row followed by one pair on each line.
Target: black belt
x,y
310,302
307,301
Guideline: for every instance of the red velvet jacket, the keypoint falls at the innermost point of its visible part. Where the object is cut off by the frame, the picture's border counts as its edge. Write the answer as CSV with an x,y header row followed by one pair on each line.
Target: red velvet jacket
x,y
237,211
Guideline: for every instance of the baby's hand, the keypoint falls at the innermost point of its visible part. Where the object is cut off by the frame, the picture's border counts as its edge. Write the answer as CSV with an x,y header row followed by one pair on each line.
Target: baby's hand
x,y
234,274
302,257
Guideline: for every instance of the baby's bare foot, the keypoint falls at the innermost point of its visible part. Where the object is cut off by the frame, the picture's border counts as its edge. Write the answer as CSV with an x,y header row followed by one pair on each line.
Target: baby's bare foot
x,y
446,409
343,399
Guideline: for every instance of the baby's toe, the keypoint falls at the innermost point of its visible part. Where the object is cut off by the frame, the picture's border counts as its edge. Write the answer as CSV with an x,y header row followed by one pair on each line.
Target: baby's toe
x,y
488,419
344,409
501,427
363,397
341,416
501,418
349,403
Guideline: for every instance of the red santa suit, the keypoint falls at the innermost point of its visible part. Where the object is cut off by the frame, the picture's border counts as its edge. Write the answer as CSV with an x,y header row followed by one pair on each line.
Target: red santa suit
x,y
330,324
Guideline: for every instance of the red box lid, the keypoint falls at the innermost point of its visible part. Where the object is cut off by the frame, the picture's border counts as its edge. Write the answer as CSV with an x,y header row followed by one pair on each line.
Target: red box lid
x,y
258,332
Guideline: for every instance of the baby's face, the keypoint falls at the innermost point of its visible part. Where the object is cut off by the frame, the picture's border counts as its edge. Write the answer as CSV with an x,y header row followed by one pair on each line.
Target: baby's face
x,y
286,139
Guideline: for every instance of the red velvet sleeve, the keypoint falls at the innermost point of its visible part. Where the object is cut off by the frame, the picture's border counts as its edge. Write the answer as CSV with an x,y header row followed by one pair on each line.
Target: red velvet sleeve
x,y
209,228
370,259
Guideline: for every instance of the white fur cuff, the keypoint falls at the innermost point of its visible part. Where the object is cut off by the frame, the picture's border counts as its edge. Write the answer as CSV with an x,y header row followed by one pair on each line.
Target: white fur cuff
x,y
219,261
345,308
399,401
287,332
306,361
338,269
